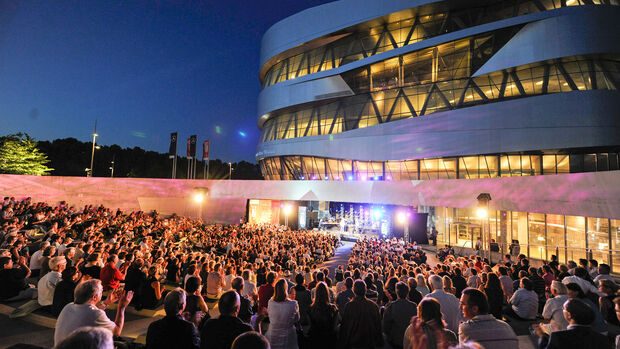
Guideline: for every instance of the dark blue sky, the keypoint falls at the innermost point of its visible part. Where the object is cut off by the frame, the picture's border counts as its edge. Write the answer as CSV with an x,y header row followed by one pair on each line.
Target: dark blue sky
x,y
143,69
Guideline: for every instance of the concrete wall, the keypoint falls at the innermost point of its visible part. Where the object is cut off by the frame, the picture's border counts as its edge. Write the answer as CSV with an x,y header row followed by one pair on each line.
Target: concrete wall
x,y
583,194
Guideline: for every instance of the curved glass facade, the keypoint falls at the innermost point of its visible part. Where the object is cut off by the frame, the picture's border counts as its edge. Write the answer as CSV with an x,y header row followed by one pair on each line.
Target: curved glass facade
x,y
460,167
408,27
438,79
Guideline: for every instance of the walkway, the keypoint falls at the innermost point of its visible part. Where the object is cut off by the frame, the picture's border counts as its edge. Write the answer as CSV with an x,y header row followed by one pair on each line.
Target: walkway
x,y
341,257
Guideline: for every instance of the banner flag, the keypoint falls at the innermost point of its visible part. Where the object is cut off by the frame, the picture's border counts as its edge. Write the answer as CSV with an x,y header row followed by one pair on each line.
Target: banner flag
x,y
192,146
173,144
205,150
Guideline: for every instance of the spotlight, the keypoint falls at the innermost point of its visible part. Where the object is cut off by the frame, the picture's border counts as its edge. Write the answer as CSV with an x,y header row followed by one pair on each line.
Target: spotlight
x,y
350,178
482,212
198,197
401,217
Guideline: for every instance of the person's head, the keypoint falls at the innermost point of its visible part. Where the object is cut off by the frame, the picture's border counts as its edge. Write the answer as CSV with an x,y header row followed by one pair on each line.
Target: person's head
x,y
577,312
321,296
359,288
112,259
271,277
447,283
87,338
88,291
348,283
402,290
608,287
473,303
153,271
237,284
593,263
503,271
527,284
557,288
617,307
192,285
574,290
420,279
604,269
436,282
429,309
250,340
58,263
412,283
70,274
581,272
229,303
280,293
174,303
299,279
6,263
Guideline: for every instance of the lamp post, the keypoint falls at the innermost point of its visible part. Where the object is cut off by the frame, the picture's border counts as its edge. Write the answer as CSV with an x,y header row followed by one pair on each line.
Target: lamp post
x,y
402,219
200,194
89,173
287,210
230,170
112,166
483,213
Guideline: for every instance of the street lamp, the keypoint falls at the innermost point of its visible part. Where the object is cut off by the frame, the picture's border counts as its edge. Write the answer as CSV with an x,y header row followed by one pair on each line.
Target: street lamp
x,y
199,196
483,213
402,219
92,154
230,170
288,208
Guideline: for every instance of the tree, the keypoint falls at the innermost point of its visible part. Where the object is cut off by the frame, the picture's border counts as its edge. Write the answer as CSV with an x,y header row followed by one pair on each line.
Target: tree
x,y
19,154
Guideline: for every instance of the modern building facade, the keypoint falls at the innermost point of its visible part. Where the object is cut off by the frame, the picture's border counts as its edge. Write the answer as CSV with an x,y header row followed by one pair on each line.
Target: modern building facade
x,y
426,90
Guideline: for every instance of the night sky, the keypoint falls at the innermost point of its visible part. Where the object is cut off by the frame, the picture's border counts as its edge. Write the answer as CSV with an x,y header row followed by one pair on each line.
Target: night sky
x,y
143,69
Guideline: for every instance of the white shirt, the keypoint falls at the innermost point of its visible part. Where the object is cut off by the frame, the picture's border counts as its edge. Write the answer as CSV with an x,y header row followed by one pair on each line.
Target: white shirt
x,y
74,316
249,289
553,311
597,279
585,285
450,308
35,260
46,287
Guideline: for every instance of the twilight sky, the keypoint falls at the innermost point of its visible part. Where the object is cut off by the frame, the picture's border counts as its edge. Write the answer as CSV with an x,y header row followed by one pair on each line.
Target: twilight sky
x,y
143,69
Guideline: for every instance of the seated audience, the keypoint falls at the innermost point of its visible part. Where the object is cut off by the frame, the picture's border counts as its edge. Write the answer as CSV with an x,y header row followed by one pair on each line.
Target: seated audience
x,y
87,338
63,293
47,284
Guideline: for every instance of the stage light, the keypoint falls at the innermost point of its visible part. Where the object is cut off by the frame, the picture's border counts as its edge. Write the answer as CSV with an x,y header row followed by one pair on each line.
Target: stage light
x,y
337,178
350,178
326,178
363,178
242,134
401,217
303,177
377,214
482,212
313,177
389,178
198,197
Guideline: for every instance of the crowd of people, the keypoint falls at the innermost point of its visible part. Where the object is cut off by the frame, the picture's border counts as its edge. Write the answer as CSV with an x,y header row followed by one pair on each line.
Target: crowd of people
x,y
261,286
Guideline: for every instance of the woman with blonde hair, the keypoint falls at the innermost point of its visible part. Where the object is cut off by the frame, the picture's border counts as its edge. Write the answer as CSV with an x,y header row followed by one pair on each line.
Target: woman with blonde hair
x,y
447,285
283,315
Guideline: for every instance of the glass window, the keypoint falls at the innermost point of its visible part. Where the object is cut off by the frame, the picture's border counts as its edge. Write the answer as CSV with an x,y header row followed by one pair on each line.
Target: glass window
x,y
598,239
429,169
555,237
563,164
447,168
615,244
536,225
468,167
549,165
575,238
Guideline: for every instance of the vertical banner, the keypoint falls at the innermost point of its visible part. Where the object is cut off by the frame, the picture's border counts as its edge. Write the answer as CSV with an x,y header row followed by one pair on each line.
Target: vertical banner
x,y
205,150
173,144
192,146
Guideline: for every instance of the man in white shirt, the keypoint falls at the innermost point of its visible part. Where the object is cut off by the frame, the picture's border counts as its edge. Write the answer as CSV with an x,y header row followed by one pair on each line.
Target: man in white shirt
x,y
450,305
84,311
603,273
47,284
35,259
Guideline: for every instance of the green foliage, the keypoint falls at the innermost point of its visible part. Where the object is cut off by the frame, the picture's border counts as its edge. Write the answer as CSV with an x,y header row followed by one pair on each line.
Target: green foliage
x,y
19,154
69,157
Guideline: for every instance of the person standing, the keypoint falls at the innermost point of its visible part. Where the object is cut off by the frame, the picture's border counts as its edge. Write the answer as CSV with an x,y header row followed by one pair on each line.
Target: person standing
x,y
397,316
283,314
361,321
324,319
449,303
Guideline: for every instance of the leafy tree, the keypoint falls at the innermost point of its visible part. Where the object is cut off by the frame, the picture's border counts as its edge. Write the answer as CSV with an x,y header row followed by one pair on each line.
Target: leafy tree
x,y
19,154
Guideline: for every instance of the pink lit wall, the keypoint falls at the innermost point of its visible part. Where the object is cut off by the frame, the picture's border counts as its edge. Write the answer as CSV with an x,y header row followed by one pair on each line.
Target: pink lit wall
x,y
595,194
